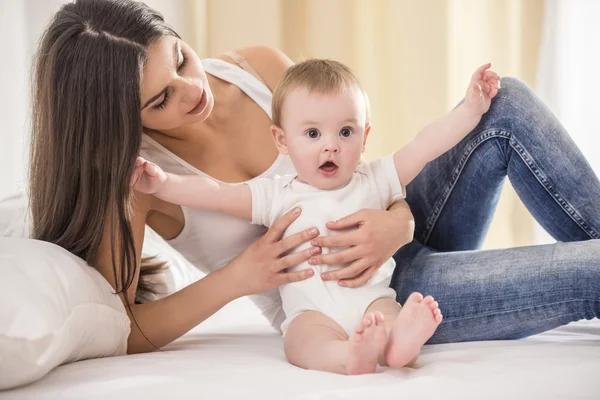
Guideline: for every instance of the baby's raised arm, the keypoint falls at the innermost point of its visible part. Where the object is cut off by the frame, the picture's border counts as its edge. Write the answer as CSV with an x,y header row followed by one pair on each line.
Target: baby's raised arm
x,y
193,190
444,133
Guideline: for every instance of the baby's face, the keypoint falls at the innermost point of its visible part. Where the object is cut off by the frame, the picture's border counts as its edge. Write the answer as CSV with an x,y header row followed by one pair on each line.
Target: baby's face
x,y
324,134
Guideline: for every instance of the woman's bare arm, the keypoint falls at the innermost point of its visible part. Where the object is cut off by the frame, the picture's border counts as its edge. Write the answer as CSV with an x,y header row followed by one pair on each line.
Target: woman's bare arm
x,y
259,268
164,320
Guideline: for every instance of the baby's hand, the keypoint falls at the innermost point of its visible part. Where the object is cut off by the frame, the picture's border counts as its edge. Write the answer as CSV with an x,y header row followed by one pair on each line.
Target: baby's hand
x,y
147,177
483,88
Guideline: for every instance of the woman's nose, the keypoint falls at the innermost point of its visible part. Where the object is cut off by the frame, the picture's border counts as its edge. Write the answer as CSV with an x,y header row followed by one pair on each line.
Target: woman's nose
x,y
192,90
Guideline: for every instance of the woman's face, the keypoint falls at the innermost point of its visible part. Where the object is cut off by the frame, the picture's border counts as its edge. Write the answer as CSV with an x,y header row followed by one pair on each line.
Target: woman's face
x,y
174,89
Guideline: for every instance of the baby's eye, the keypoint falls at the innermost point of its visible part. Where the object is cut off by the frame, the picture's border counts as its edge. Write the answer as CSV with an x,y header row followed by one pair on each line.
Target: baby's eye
x,y
313,133
345,132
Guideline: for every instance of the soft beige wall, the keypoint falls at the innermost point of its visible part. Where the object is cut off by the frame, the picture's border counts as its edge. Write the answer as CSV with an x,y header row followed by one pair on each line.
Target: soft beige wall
x,y
413,57
508,33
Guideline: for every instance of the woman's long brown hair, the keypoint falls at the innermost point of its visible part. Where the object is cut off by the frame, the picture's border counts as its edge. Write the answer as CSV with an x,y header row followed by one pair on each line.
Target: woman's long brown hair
x,y
87,128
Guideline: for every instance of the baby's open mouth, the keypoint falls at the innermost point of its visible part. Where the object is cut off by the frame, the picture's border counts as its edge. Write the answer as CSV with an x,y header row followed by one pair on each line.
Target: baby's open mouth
x,y
329,168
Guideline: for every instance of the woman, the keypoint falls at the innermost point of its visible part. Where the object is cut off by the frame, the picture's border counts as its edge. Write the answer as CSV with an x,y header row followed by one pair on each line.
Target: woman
x,y
108,70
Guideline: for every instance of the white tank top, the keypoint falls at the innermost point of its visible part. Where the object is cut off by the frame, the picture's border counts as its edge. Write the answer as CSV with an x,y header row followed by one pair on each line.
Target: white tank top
x,y
209,240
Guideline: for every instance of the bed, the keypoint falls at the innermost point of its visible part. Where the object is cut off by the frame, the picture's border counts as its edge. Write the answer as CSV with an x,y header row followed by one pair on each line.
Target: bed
x,y
236,354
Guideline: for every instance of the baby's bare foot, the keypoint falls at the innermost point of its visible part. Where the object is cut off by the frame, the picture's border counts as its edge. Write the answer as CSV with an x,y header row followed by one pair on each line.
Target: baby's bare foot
x,y
415,324
366,344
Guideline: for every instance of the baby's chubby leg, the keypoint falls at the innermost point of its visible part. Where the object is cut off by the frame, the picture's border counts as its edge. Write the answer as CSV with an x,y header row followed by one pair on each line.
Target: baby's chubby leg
x,y
315,341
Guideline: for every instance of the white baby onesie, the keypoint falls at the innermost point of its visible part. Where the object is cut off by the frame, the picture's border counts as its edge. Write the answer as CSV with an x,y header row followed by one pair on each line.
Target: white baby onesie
x,y
373,185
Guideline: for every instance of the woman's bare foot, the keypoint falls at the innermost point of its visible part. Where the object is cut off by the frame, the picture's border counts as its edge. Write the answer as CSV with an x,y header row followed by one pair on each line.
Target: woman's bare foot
x,y
416,323
366,344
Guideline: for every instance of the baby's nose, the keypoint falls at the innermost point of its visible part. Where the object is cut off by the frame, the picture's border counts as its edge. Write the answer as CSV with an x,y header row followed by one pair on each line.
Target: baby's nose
x,y
332,147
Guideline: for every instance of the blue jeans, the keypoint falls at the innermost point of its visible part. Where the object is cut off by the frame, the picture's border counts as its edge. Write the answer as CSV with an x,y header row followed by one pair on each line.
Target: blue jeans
x,y
508,293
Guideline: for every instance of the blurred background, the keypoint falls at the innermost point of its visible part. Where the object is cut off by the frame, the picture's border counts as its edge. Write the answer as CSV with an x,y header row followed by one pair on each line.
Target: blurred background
x,y
413,57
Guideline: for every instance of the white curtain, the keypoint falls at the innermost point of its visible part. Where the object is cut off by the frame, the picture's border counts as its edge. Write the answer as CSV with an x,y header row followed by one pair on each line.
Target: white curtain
x,y
567,78
13,101
21,24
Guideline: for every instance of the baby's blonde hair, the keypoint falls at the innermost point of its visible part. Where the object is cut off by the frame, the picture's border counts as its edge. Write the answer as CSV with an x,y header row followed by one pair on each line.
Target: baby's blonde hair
x,y
317,76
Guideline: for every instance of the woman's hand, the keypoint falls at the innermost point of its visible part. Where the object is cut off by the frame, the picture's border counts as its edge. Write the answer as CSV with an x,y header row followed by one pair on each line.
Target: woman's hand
x,y
379,235
261,267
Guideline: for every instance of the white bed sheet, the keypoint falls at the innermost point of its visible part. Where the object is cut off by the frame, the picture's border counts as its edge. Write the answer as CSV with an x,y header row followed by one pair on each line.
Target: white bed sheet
x,y
236,355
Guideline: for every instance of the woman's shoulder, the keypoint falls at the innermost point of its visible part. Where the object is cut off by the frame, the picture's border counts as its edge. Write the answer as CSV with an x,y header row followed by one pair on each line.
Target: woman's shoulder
x,y
269,62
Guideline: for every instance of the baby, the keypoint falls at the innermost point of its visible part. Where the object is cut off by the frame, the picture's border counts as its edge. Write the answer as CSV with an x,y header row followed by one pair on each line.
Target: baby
x,y
320,119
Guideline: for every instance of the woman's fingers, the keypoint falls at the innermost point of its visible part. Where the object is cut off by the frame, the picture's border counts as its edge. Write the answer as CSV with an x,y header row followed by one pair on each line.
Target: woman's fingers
x,y
294,259
289,277
359,280
340,257
349,221
295,240
343,240
349,272
282,223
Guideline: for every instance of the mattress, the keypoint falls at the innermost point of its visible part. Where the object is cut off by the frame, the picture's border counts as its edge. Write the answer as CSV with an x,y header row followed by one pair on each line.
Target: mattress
x,y
237,355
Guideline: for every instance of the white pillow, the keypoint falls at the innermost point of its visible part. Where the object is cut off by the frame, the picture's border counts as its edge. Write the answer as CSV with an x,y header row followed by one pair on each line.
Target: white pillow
x,y
54,309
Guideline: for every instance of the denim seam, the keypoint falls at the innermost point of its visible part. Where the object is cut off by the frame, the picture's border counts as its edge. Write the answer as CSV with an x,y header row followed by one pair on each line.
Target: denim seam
x,y
527,159
568,208
437,209
521,309
556,196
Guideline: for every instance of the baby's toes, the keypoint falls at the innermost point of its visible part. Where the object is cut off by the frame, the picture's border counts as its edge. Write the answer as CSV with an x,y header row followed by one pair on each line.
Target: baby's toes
x,y
369,319
360,329
428,300
379,318
415,297
437,315
433,305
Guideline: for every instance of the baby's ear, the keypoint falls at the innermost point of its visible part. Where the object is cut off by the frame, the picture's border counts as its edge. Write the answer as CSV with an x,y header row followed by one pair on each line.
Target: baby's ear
x,y
367,131
279,137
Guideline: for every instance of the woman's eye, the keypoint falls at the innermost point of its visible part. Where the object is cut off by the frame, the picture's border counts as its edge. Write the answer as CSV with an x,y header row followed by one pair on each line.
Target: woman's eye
x,y
183,61
345,132
163,103
313,133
